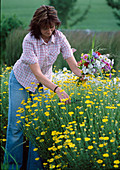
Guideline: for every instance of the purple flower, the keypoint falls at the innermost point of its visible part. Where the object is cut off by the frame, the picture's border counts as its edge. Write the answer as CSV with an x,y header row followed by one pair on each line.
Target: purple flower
x,y
95,55
110,75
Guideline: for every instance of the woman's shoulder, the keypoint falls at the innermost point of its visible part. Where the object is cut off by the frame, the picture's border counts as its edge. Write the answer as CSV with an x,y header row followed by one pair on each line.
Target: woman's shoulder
x,y
59,33
29,37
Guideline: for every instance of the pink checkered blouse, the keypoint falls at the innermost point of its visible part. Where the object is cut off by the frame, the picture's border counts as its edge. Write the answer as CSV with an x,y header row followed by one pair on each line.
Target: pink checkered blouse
x,y
37,51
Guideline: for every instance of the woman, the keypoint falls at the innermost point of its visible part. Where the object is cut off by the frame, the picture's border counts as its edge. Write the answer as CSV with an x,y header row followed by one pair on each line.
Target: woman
x,y
41,47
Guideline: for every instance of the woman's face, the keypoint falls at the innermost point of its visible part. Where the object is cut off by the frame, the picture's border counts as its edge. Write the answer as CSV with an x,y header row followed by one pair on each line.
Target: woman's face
x,y
47,31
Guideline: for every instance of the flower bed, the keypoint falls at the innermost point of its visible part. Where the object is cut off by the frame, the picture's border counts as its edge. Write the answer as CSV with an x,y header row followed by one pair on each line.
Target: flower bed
x,y
82,135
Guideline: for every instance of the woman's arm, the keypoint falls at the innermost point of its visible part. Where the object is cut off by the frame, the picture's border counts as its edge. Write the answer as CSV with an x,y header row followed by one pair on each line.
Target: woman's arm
x,y
73,66
46,82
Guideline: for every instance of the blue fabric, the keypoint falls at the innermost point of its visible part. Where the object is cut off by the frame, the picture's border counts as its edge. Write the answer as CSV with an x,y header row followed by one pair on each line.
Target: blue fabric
x,y
14,143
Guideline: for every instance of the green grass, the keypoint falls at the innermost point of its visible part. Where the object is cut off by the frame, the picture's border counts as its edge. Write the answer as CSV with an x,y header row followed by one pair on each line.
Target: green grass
x,y
100,15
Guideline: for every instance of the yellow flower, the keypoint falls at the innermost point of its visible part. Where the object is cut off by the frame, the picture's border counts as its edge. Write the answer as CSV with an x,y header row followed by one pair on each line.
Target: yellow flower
x,y
35,119
105,155
101,145
61,103
71,145
37,158
99,161
78,139
51,160
87,139
17,114
52,166
42,133
81,113
63,108
27,88
116,162
27,107
37,138
90,147
70,113
62,125
41,140
60,146
104,120
46,113
116,166
53,133
106,138
35,149
18,121
87,97
27,125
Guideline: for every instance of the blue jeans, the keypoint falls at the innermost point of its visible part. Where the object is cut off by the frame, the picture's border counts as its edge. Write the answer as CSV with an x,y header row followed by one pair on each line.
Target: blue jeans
x,y
14,143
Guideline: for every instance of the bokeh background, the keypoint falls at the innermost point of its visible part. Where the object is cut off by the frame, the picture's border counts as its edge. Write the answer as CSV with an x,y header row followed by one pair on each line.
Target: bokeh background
x,y
99,17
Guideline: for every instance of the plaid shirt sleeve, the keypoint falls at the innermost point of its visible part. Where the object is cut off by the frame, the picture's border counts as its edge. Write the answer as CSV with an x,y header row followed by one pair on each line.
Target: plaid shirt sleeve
x,y
65,47
28,55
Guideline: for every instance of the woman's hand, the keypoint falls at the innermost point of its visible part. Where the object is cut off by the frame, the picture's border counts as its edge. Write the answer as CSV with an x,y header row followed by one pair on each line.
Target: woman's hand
x,y
63,96
82,78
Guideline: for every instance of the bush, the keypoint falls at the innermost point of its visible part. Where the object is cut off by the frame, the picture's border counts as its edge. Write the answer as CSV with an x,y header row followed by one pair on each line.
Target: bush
x,y
7,24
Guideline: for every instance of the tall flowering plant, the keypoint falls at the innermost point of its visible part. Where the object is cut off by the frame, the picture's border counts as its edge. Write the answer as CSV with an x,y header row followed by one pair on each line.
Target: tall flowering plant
x,y
94,64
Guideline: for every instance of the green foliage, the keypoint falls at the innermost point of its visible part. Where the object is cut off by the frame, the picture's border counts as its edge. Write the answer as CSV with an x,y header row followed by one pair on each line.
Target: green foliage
x,y
14,46
7,24
115,5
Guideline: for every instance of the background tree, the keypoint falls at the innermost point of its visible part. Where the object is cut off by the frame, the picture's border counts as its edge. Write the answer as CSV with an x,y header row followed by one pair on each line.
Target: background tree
x,y
115,4
67,10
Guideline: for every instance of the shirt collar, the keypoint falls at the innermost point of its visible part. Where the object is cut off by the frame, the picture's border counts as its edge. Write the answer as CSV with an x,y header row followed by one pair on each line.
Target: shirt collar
x,y
52,39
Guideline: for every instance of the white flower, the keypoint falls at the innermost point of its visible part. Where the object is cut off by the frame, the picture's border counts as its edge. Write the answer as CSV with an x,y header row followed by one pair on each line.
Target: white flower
x,y
97,63
93,70
112,61
64,69
90,66
102,65
84,69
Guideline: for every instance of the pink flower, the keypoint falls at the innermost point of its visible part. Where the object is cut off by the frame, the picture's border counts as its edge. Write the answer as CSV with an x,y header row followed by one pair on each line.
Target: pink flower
x,y
85,57
79,63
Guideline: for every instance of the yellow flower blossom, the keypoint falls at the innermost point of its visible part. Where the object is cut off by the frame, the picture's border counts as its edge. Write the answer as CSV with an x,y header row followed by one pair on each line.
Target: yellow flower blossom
x,y
87,139
99,161
78,139
47,113
90,147
70,113
106,155
117,162
35,149
37,158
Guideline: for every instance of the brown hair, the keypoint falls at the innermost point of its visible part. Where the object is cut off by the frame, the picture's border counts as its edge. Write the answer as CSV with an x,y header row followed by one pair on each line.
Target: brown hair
x,y
43,17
